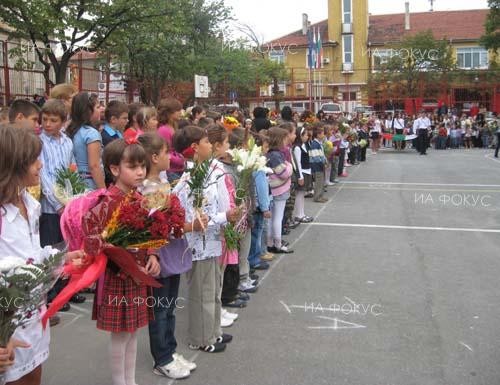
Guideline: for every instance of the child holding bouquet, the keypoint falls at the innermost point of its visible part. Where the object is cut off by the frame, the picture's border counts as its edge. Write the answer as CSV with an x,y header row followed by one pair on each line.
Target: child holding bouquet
x,y
120,306
200,190
161,330
20,168
230,272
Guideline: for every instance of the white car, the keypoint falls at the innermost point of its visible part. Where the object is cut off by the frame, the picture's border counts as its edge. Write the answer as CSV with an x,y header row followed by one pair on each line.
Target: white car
x,y
332,109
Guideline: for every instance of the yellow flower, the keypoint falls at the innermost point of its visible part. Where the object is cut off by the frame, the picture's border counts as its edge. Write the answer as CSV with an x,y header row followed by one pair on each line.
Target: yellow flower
x,y
112,225
153,244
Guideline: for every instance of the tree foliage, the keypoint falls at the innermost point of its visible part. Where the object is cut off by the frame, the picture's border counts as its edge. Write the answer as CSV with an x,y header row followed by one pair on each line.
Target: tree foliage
x,y
491,38
415,59
70,26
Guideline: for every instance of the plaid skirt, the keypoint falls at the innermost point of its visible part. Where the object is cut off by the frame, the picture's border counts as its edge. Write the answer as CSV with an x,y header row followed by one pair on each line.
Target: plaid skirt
x,y
125,305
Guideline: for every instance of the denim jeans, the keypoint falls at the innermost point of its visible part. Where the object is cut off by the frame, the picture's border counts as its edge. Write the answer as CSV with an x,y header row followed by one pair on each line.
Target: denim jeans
x,y
486,140
256,243
161,331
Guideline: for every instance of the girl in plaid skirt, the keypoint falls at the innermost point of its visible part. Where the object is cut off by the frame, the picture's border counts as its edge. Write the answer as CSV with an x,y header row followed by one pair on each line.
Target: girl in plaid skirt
x,y
121,304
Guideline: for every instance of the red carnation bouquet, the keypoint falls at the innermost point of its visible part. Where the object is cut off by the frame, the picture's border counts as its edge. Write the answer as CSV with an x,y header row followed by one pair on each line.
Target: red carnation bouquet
x,y
145,222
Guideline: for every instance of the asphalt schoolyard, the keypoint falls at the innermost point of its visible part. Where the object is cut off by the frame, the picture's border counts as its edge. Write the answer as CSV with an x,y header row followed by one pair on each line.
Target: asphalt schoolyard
x,y
394,283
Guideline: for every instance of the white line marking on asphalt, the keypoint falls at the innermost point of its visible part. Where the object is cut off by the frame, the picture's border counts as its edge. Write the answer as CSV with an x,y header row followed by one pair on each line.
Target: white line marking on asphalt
x,y
79,308
381,183
467,346
278,260
286,307
405,227
72,321
397,189
337,324
488,156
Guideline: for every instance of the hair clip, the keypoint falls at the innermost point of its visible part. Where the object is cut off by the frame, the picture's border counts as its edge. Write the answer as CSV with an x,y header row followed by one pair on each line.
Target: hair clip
x,y
188,153
132,139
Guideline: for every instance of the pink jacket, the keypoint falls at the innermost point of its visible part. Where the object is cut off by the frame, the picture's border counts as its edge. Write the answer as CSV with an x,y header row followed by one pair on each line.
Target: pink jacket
x,y
176,159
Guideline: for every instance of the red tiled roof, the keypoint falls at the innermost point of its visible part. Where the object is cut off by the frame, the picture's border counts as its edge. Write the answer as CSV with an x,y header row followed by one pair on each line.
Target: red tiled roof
x,y
297,38
455,25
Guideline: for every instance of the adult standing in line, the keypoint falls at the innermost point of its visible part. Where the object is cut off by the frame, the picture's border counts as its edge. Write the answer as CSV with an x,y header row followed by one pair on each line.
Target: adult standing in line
x,y
421,126
375,134
398,124
169,114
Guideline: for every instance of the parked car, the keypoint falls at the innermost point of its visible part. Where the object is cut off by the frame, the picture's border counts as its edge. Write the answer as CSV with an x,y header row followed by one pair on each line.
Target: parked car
x,y
365,110
332,109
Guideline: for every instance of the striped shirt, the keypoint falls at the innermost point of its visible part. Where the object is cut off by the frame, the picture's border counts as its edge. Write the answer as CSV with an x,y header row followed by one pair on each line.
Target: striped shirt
x,y
57,153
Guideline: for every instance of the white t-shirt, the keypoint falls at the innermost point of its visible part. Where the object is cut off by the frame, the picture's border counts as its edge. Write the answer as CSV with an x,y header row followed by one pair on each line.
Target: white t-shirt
x,y
21,238
377,126
399,124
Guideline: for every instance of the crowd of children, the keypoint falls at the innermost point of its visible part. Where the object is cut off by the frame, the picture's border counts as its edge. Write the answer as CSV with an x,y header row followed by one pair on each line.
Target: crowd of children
x,y
128,149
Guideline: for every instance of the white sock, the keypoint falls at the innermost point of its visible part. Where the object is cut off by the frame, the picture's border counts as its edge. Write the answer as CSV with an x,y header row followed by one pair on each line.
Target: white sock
x,y
117,357
130,359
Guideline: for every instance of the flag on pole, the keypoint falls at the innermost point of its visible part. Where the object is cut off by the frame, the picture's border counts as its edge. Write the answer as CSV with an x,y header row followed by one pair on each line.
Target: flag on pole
x,y
315,49
310,49
319,50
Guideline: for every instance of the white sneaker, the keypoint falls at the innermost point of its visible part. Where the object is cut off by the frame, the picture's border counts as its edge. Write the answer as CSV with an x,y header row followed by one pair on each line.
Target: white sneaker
x,y
227,314
330,183
246,285
190,365
225,322
172,370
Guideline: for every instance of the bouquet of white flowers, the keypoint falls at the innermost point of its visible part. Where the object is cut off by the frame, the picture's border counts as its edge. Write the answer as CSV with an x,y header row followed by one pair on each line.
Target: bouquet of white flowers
x,y
246,161
23,287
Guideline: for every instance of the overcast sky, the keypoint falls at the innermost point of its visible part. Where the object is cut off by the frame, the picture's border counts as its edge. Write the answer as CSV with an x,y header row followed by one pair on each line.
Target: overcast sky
x,y
275,18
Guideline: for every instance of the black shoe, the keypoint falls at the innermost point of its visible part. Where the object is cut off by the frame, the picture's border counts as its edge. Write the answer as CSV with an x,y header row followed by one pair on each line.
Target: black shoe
x,y
261,266
224,339
255,277
77,298
243,296
214,348
281,250
54,320
293,225
237,303
65,307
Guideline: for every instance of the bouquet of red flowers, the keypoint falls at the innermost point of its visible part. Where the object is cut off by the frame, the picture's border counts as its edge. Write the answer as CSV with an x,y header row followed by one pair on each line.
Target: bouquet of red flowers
x,y
145,222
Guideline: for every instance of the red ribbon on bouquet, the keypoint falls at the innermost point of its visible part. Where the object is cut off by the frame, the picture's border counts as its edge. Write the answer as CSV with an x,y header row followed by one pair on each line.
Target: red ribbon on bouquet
x,y
83,277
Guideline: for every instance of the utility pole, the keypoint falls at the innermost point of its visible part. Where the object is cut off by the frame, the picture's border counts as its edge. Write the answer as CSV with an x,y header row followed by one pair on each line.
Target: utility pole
x,y
432,5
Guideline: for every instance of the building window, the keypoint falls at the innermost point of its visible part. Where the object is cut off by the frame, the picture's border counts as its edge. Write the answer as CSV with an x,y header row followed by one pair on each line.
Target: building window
x,y
474,57
349,96
347,43
347,11
278,57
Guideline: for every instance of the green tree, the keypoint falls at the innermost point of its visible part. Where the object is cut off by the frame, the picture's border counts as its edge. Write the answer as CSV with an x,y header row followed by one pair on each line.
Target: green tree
x,y
169,48
416,60
491,38
268,71
71,26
